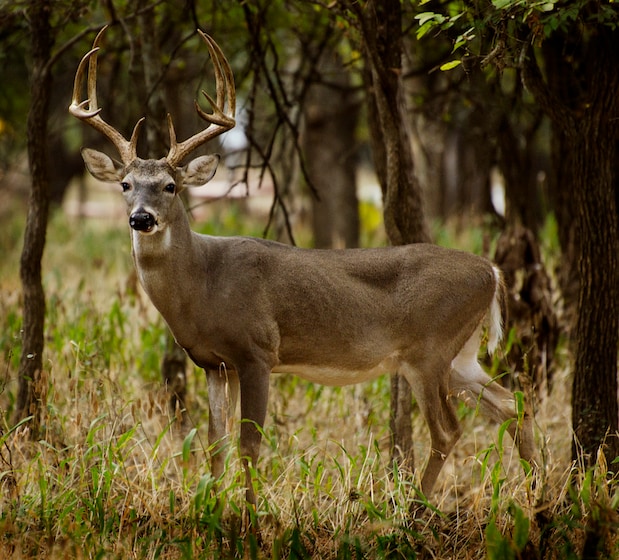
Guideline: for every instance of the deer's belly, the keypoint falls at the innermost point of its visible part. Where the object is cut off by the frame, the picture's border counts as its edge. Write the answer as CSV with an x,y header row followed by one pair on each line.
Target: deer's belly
x,y
339,376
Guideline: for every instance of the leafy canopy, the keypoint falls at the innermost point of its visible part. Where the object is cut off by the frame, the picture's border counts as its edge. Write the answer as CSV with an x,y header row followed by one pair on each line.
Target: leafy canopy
x,y
510,22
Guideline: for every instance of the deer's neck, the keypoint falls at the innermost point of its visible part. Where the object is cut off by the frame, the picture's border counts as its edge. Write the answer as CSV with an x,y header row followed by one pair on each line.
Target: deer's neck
x,y
164,259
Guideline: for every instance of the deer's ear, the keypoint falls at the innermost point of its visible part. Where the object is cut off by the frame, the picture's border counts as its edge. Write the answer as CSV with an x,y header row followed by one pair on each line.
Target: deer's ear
x,y
101,166
199,171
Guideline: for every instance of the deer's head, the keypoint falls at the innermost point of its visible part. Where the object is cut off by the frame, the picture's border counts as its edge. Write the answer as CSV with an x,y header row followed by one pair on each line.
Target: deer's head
x,y
150,186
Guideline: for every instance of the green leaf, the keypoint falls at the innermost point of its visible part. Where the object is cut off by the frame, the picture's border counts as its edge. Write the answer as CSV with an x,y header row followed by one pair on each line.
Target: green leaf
x,y
187,444
502,4
172,501
125,438
497,546
463,39
428,16
450,65
526,467
424,29
519,397
587,484
521,528
502,430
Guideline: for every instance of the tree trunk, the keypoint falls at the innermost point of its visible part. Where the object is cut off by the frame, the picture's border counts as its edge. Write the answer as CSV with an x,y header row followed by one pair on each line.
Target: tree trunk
x,y
30,380
331,115
561,198
521,160
381,24
583,104
594,398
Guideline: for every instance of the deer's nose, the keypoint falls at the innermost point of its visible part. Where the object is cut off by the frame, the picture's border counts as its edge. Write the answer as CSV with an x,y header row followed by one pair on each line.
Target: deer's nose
x,y
142,221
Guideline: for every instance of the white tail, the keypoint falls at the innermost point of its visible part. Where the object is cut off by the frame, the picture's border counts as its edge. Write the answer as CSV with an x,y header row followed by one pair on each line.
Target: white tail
x,y
251,307
495,327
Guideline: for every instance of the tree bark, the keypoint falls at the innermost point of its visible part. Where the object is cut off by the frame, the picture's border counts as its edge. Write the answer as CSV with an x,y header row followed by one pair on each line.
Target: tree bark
x,y
594,397
30,379
583,105
381,25
390,138
331,115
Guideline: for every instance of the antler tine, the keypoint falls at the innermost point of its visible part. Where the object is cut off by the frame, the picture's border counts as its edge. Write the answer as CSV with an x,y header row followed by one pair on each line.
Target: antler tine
x,y
225,99
92,71
222,69
77,106
88,110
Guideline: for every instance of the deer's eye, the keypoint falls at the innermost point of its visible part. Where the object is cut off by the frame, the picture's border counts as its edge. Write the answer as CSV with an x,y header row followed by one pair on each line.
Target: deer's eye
x,y
170,188
125,186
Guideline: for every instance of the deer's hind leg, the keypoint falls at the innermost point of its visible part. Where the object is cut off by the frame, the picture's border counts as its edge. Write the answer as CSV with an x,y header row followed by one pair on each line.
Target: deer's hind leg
x,y
473,385
430,386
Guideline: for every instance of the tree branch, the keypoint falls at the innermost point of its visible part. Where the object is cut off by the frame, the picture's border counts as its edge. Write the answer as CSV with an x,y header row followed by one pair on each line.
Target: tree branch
x,y
533,81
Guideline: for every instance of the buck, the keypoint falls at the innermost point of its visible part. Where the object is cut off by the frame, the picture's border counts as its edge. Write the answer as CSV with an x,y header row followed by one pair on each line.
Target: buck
x,y
243,308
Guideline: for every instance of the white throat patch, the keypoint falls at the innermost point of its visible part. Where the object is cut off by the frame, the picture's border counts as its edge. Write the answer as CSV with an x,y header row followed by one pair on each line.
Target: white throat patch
x,y
166,241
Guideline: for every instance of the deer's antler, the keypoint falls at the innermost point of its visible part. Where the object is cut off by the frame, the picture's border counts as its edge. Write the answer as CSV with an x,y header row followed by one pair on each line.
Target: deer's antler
x,y
221,120
222,117
88,110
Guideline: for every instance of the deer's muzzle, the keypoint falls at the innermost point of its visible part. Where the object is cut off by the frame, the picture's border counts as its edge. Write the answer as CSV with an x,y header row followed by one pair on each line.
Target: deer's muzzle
x,y
142,221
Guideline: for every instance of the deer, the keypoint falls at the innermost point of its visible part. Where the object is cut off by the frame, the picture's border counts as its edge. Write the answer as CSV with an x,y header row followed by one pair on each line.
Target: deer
x,y
243,308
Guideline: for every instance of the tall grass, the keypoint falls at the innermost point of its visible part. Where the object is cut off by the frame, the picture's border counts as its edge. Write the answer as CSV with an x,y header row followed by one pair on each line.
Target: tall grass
x,y
114,474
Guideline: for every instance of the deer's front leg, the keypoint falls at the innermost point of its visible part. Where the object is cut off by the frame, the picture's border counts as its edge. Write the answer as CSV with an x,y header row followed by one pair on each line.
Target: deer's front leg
x,y
254,383
223,388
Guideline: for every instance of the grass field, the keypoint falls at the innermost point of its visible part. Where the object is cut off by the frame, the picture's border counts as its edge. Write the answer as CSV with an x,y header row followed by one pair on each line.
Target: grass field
x,y
114,474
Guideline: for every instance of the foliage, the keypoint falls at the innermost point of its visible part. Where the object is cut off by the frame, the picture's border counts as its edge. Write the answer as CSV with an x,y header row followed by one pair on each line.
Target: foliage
x,y
510,21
